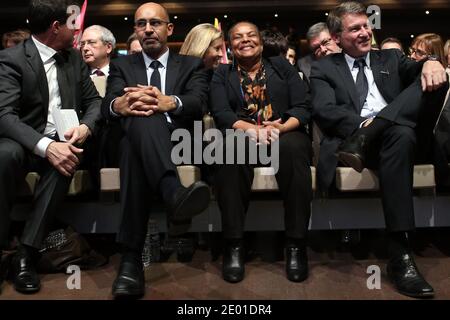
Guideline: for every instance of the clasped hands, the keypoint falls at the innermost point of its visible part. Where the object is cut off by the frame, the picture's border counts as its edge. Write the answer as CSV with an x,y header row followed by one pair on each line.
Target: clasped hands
x,y
143,101
266,133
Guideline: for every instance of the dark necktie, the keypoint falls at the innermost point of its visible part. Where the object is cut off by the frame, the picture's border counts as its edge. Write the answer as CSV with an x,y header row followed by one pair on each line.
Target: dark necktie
x,y
361,81
155,79
98,73
63,83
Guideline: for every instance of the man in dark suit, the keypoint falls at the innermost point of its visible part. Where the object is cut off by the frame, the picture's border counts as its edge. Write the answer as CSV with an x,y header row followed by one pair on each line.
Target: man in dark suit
x,y
152,93
36,77
359,97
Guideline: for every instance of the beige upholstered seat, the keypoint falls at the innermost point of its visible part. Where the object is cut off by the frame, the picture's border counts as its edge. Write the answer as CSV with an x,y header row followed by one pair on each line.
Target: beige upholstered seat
x,y
264,179
81,182
110,177
348,179
100,84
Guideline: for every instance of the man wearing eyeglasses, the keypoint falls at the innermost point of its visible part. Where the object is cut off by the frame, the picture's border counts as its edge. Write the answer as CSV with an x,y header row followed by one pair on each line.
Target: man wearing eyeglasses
x,y
367,104
320,43
152,93
97,45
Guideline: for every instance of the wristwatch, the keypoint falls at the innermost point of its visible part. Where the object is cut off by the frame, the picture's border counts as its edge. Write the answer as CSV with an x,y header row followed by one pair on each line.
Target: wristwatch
x,y
433,57
177,102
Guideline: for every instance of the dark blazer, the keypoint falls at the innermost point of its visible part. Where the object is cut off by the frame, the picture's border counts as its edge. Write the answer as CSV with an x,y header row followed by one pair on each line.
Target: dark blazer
x,y
335,101
24,93
185,78
287,92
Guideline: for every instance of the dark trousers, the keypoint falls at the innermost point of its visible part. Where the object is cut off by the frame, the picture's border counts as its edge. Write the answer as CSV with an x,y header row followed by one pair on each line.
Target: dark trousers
x,y
233,188
50,191
145,159
392,156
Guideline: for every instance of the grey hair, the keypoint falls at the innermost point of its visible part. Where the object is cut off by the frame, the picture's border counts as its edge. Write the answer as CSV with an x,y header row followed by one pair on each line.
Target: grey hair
x,y
106,35
315,30
334,20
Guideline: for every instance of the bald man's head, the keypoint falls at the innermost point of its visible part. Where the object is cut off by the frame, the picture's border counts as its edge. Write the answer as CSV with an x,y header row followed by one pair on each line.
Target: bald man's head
x,y
152,6
152,27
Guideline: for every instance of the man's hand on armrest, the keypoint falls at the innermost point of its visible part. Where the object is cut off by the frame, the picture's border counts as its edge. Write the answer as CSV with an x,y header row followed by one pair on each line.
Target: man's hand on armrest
x,y
433,76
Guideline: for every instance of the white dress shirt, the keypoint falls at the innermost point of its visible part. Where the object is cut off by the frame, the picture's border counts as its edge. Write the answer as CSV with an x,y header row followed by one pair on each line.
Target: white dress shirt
x,y
374,102
54,98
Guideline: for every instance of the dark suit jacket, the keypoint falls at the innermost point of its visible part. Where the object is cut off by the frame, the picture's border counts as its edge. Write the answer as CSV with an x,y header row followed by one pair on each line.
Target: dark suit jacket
x,y
24,93
185,78
335,101
287,92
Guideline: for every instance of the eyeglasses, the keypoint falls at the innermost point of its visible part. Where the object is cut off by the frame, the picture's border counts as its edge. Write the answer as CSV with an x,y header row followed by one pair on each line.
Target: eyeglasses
x,y
90,43
154,23
419,53
324,43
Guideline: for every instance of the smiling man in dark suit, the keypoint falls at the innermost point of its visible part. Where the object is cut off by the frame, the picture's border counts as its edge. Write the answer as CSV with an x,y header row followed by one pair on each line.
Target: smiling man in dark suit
x,y
152,93
368,119
36,77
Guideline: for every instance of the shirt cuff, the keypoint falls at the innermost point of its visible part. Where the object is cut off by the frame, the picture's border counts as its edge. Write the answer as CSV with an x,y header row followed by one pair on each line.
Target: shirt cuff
x,y
41,147
179,108
362,123
111,111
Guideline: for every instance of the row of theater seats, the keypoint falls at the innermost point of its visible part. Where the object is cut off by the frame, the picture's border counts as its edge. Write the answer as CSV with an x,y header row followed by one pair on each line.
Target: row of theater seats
x,y
347,179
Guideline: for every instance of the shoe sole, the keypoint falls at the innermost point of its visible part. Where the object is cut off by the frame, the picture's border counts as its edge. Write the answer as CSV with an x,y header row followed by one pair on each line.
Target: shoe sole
x,y
124,294
27,291
351,160
194,204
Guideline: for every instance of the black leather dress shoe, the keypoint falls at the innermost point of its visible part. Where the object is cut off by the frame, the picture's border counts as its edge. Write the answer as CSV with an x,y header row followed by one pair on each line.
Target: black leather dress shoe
x,y
23,273
189,202
296,264
352,152
233,268
406,277
130,281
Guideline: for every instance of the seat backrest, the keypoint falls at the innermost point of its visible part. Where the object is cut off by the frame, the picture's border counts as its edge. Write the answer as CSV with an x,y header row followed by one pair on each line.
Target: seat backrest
x,y
100,85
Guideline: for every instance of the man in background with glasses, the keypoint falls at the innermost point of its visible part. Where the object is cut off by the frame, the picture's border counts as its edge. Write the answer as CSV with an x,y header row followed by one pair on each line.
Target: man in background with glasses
x,y
97,45
152,93
320,43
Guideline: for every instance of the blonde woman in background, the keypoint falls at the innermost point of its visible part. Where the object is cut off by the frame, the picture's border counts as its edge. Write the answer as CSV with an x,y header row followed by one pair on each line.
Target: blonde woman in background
x,y
204,41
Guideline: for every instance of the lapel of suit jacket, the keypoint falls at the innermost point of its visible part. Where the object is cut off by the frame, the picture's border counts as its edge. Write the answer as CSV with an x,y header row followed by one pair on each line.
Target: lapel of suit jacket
x,y
35,62
270,71
235,82
173,66
344,71
65,75
376,64
140,69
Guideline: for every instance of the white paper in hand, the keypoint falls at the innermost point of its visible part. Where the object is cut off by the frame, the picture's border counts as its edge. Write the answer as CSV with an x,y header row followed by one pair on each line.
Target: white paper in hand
x,y
65,119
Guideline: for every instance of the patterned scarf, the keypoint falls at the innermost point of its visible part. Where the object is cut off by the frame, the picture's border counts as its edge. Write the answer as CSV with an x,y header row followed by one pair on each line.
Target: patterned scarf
x,y
258,107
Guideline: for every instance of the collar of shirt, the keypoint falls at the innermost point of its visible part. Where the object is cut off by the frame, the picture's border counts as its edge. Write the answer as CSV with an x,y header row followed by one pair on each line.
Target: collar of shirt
x,y
46,53
350,61
162,59
105,70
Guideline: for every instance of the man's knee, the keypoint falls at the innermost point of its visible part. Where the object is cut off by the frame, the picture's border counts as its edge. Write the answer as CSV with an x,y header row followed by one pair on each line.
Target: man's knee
x,y
401,135
12,155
